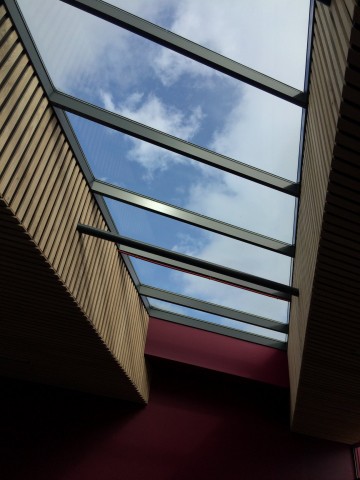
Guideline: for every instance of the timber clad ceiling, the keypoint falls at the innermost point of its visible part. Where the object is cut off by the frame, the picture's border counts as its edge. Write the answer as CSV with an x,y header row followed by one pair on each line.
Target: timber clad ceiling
x,y
327,401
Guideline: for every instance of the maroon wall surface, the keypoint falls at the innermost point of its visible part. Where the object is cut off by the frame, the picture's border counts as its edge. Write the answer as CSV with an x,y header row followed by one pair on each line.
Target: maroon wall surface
x,y
216,352
198,425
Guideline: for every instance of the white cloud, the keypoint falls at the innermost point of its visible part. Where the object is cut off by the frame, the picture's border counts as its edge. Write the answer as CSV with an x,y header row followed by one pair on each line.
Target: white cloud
x,y
262,131
150,110
266,36
244,204
170,66
190,244
155,11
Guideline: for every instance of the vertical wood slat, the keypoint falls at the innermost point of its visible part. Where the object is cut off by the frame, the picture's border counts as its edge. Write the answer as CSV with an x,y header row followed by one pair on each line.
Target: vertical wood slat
x,y
324,331
43,185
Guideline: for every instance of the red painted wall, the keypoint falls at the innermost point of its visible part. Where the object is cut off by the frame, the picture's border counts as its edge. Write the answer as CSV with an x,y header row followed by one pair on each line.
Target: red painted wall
x,y
198,425
216,352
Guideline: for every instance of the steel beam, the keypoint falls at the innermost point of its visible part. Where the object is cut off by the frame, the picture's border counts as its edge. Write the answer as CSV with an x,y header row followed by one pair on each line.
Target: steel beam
x,y
192,218
215,328
193,265
212,308
174,144
192,50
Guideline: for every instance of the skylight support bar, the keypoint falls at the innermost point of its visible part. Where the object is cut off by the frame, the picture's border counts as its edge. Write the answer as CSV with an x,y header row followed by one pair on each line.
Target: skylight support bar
x,y
212,308
192,218
193,265
190,49
174,144
212,327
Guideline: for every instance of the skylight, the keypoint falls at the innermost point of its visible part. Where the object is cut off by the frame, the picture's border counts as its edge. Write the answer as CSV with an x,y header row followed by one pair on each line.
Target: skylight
x,y
221,186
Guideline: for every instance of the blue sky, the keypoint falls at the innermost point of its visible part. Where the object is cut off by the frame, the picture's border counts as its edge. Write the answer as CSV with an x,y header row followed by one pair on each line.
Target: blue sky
x,y
117,70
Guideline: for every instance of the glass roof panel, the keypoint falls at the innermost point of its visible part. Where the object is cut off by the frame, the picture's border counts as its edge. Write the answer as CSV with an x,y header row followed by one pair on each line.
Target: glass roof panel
x,y
226,322
210,291
251,32
122,72
114,69
152,171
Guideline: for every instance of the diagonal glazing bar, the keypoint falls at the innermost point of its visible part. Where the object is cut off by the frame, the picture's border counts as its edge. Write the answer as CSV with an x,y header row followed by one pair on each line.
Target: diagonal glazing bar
x,y
161,139
192,218
193,265
212,308
212,327
190,49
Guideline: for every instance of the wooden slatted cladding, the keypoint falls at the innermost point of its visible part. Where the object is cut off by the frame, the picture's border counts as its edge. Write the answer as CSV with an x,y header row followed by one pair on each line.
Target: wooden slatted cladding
x,y
44,334
324,338
44,189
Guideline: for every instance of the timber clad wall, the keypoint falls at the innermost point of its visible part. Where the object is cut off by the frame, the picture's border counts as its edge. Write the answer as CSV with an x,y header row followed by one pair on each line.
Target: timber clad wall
x,y
45,190
44,335
324,339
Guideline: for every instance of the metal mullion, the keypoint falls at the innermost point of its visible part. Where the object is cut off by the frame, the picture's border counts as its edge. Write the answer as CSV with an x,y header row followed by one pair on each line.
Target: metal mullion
x,y
212,308
215,328
192,218
174,144
193,265
192,50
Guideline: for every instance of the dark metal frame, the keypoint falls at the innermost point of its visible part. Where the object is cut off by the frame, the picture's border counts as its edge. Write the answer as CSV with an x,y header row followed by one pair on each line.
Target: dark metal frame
x,y
191,218
212,308
309,49
193,265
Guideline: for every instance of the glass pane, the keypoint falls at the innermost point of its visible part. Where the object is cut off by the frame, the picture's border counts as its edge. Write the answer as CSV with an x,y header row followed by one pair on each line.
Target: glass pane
x,y
226,322
117,70
177,236
210,291
152,171
252,32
